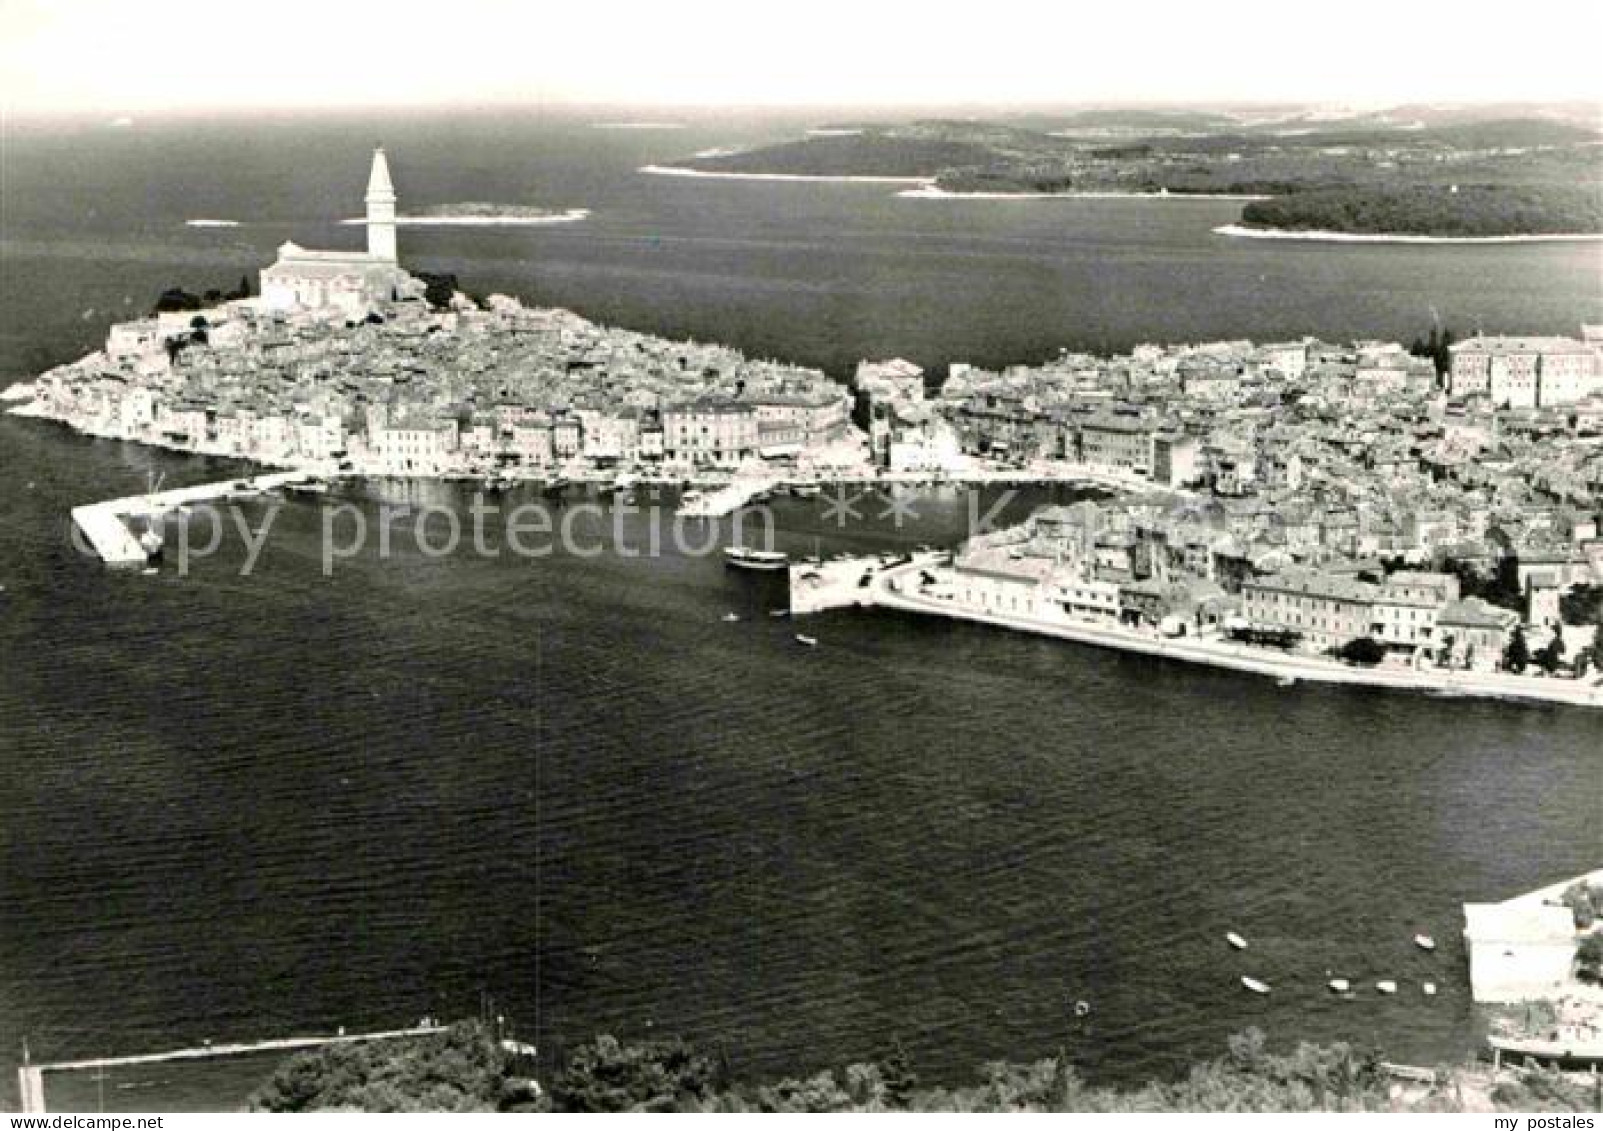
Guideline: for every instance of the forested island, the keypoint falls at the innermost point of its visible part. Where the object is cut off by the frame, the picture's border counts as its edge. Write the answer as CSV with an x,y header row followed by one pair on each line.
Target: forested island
x,y
467,1069
1453,211
1410,172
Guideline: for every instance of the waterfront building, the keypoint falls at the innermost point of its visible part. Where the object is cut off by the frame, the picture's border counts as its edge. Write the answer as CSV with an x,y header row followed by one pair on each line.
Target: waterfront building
x,y
998,579
1473,633
416,443
348,283
710,430
790,420
1324,610
1406,605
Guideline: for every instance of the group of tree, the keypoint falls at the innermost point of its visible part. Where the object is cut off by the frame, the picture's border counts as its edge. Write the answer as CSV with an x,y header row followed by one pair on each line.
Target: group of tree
x,y
1438,347
1501,588
1435,210
466,1069
1363,650
438,288
176,298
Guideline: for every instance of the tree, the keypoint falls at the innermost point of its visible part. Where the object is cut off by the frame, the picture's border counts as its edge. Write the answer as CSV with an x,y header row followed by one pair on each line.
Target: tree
x,y
1518,653
1365,650
607,1075
900,1079
461,1069
1589,959
1581,604
1551,654
438,290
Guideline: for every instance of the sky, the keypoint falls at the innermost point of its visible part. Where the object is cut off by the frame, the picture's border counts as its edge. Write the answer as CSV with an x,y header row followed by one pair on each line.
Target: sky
x,y
132,56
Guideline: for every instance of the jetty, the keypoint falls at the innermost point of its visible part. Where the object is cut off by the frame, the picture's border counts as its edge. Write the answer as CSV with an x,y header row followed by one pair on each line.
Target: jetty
x,y
817,585
729,498
105,524
30,1077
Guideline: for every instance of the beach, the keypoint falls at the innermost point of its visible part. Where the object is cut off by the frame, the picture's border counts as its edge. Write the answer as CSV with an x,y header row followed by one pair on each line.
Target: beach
x,y
1383,237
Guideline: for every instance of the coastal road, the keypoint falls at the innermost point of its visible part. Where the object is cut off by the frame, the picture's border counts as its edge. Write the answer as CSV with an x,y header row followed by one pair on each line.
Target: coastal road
x,y
895,589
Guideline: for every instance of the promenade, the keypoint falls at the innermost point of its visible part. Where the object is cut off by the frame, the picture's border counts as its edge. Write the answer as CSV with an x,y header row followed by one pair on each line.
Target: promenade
x,y
893,589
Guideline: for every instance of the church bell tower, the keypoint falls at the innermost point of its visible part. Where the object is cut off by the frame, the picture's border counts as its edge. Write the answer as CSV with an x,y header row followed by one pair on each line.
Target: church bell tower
x,y
380,210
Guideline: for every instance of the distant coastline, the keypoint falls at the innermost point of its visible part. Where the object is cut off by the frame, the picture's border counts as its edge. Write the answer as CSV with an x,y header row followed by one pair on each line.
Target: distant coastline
x,y
932,191
484,221
678,171
1244,232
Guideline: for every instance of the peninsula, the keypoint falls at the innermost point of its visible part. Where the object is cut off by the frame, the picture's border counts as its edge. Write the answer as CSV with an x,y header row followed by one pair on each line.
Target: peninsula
x,y
1423,516
1412,171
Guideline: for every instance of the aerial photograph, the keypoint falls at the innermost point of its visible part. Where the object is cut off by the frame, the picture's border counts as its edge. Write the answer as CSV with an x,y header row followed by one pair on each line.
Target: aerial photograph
x,y
864,557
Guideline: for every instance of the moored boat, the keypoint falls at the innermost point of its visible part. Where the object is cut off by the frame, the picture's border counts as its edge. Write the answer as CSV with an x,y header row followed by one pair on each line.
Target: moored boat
x,y
744,557
1236,941
1424,942
1428,989
1339,985
1254,984
809,641
1386,986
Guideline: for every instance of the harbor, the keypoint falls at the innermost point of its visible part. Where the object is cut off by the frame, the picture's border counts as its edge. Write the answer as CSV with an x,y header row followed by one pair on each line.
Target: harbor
x,y
106,525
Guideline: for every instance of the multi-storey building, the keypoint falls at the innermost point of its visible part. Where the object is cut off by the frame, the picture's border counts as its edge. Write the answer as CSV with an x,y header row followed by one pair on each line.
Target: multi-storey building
x,y
1326,611
710,430
1537,372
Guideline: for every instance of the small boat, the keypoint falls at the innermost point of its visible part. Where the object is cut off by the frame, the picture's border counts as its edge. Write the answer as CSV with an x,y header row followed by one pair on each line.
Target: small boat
x,y
1339,985
806,490
1386,986
1255,985
809,641
1429,989
310,487
731,618
149,571
1236,941
744,557
1286,681
779,612
1424,942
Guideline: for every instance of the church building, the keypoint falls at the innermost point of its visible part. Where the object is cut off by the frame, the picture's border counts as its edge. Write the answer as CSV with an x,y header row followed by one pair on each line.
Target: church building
x,y
350,282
